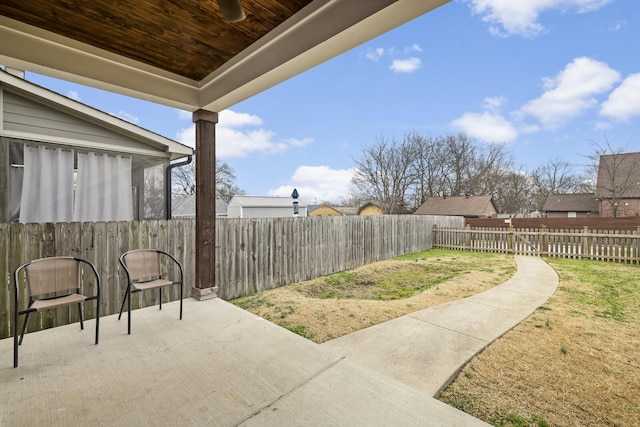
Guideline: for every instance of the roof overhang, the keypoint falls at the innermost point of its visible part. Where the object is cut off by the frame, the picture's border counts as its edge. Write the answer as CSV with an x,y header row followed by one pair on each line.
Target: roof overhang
x,y
319,31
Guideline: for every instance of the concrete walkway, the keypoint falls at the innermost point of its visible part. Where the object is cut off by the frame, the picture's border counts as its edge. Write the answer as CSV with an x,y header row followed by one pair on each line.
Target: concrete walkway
x,y
426,349
223,366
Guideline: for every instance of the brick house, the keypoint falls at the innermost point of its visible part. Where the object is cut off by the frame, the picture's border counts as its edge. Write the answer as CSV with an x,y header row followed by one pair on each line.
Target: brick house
x,y
618,186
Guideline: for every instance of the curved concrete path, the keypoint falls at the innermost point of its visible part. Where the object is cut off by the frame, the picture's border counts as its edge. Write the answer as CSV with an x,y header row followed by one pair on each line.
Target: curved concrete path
x,y
426,349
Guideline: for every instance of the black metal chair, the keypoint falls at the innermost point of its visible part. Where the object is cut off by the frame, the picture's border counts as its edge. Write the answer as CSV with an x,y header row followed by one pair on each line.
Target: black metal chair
x,y
143,268
52,282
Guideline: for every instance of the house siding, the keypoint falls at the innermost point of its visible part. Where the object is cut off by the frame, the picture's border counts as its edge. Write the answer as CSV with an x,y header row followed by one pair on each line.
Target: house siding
x,y
32,118
371,210
325,211
263,212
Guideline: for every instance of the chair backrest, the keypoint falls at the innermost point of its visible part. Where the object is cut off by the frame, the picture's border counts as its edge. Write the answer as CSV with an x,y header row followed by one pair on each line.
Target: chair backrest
x,y
52,275
142,264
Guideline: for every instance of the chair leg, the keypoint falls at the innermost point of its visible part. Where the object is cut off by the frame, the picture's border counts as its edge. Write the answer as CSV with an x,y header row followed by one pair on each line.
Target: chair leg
x,y
81,318
97,318
129,311
15,337
181,285
160,295
24,328
126,294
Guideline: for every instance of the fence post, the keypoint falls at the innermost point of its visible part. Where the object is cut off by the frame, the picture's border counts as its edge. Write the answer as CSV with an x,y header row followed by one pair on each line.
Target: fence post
x,y
467,236
585,241
510,239
435,236
543,240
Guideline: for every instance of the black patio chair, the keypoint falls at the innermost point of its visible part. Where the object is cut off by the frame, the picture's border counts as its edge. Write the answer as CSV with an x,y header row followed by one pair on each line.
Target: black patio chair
x,y
52,282
144,272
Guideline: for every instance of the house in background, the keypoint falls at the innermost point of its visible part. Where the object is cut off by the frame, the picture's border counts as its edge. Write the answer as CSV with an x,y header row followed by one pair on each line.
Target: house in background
x,y
324,210
63,161
327,210
618,186
571,205
185,207
263,207
466,206
370,209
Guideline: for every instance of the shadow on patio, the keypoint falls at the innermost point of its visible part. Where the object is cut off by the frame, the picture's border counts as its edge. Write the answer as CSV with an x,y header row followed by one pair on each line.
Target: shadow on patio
x,y
219,366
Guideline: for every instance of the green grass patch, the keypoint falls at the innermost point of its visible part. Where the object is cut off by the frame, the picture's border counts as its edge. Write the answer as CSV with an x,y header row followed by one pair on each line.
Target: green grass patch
x,y
611,291
407,276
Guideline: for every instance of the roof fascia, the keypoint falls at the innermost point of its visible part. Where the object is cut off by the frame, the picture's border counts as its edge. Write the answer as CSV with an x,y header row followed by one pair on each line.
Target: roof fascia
x,y
322,30
56,100
30,48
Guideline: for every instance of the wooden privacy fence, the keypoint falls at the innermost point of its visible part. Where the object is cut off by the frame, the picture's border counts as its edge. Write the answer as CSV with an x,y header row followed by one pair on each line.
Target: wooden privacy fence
x,y
252,255
619,246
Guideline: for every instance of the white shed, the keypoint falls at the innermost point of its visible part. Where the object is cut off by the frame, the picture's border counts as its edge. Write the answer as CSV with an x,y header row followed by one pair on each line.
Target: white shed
x,y
263,207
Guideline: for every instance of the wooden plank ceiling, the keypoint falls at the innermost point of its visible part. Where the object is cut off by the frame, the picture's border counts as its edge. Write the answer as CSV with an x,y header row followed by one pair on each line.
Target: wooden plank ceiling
x,y
186,37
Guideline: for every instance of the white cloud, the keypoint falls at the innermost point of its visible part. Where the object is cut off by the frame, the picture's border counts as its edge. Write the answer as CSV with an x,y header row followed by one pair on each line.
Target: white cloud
x,y
233,139
618,25
375,54
488,126
74,95
624,101
126,116
493,103
413,48
185,115
316,184
406,65
520,17
570,93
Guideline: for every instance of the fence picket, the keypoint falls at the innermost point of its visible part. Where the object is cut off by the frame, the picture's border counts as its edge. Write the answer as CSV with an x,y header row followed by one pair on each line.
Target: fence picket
x,y
252,255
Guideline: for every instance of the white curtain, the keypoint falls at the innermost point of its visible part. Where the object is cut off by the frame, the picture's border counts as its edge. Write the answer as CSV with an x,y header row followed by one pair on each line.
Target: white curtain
x,y
103,188
47,188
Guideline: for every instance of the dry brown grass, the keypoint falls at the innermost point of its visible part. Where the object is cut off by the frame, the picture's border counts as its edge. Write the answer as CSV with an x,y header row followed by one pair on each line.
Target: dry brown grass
x,y
326,308
574,362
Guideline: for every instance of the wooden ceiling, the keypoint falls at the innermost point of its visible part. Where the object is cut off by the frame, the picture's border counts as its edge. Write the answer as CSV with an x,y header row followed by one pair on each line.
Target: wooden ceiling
x,y
185,37
182,53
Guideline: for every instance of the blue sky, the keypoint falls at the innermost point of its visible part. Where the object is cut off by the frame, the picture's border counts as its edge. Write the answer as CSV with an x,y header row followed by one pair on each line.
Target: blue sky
x,y
545,77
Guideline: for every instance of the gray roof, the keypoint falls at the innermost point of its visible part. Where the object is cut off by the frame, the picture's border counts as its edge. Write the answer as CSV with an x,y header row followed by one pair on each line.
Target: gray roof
x,y
264,201
185,207
467,206
583,202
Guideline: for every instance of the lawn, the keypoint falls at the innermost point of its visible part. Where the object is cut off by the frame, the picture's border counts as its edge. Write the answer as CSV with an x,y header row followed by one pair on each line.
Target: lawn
x,y
574,362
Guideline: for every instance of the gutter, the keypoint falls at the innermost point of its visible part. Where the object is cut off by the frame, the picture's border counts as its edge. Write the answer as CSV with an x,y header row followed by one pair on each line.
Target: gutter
x,y
167,191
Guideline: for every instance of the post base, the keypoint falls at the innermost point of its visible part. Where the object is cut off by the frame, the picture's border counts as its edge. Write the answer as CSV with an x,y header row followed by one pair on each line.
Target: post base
x,y
204,294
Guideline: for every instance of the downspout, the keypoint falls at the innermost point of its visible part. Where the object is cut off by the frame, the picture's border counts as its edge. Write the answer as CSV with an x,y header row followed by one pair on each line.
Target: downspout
x,y
167,191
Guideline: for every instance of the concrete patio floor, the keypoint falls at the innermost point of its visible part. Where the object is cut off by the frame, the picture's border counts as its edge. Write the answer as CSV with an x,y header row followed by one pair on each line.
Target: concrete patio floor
x,y
219,366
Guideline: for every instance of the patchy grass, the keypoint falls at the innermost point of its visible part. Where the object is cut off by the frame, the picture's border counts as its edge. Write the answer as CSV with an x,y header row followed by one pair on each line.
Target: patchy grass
x,y
573,362
329,307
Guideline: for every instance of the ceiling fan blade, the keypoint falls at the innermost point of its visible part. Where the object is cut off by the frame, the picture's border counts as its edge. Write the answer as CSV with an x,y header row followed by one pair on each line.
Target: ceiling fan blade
x,y
231,10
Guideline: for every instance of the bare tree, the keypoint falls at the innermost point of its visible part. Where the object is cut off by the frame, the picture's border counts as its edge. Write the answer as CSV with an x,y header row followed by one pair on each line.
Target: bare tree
x,y
555,177
618,174
428,166
385,173
184,181
513,193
